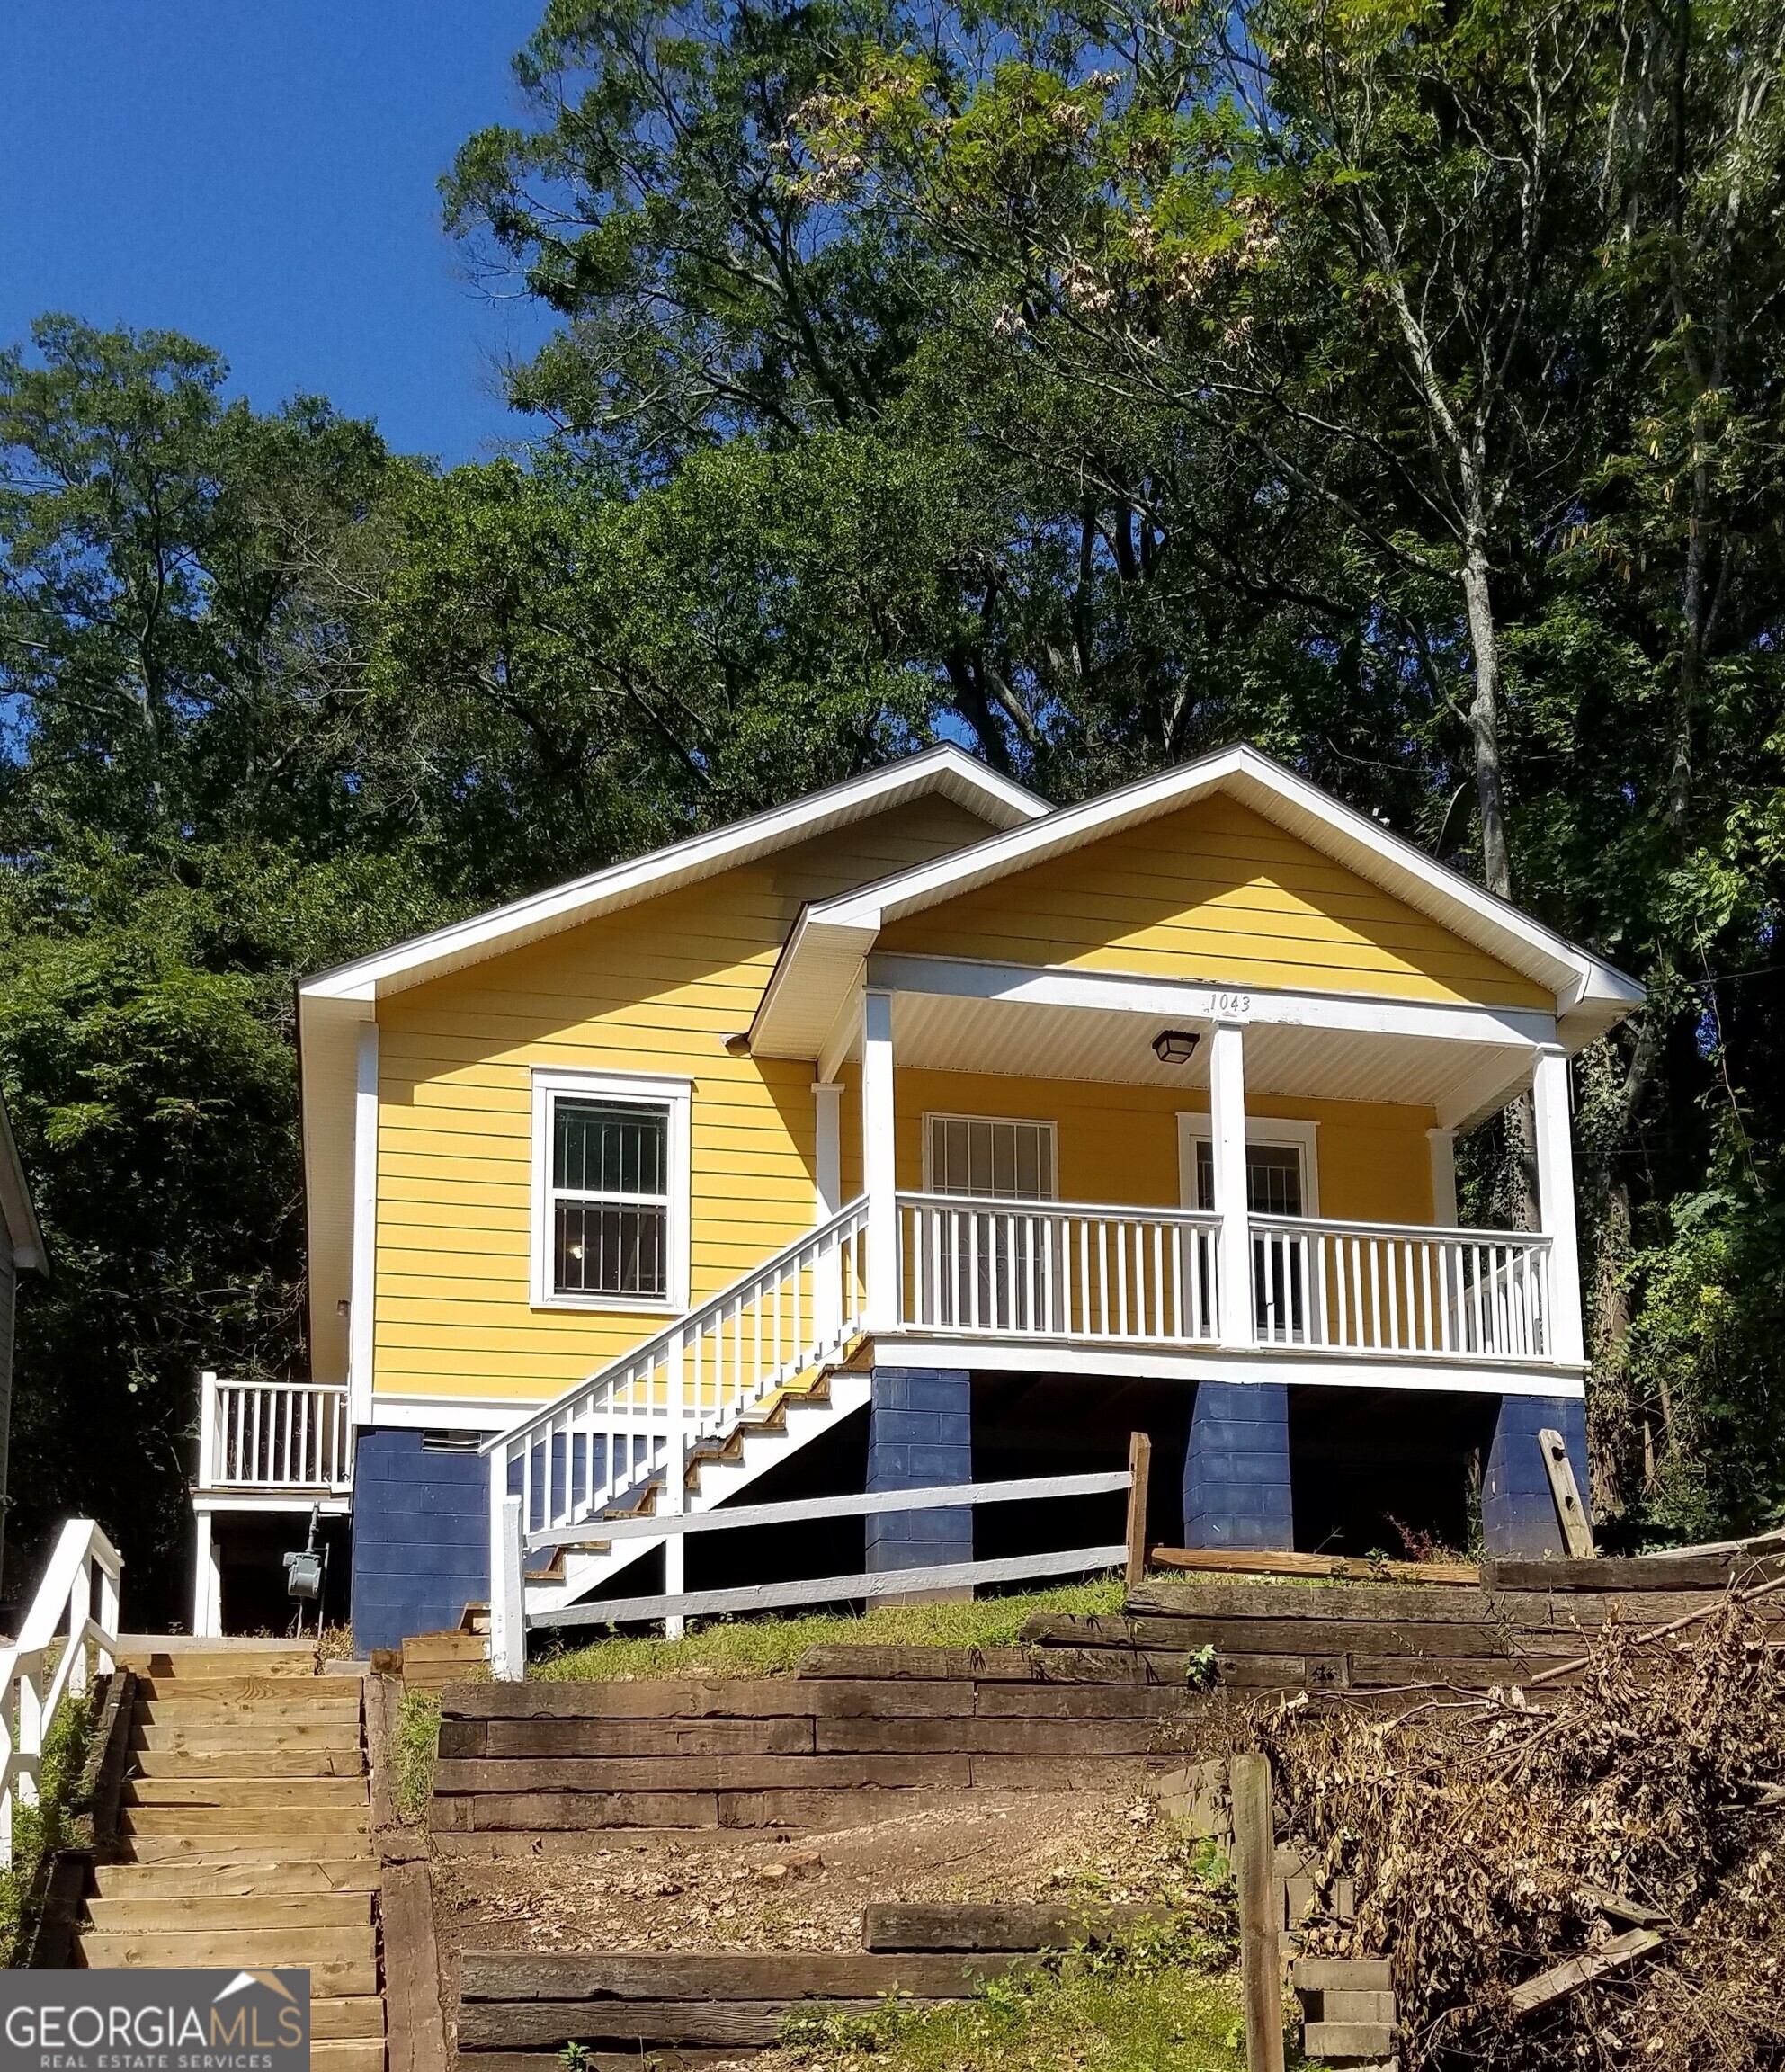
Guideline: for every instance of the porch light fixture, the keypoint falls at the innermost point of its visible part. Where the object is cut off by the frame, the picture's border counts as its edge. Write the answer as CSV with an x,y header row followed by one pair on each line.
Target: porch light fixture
x,y
1175,1046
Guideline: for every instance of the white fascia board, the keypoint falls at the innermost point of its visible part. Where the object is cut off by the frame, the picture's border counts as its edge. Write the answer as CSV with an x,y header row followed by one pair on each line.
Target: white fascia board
x,y
18,1215
1351,838
965,978
1026,1356
947,770
402,1411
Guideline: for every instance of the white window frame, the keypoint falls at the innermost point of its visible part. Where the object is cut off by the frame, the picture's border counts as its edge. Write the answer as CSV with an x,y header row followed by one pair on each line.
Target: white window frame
x,y
1194,1129
1051,1130
647,1088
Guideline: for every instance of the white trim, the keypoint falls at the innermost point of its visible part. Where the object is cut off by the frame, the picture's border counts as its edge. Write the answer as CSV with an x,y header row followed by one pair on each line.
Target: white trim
x,y
395,1411
1195,1129
1556,1197
879,1180
826,1150
1051,1129
646,1089
947,770
1349,1014
219,1503
1492,1376
363,1299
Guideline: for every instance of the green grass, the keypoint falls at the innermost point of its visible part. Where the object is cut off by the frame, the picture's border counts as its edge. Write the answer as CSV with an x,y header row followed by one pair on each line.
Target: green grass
x,y
40,1830
1162,2000
764,1647
414,1754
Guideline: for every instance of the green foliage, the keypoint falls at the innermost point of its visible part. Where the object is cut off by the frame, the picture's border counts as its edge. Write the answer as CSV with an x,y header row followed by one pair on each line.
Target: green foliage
x,y
768,1646
416,1753
40,1830
1156,2001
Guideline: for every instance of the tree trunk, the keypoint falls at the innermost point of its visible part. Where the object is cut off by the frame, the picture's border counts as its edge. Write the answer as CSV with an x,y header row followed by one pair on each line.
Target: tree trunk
x,y
1483,716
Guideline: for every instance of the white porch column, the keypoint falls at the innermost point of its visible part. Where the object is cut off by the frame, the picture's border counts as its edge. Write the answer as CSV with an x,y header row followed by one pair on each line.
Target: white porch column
x,y
879,1180
1442,1145
1227,1145
1556,1200
827,1154
206,1583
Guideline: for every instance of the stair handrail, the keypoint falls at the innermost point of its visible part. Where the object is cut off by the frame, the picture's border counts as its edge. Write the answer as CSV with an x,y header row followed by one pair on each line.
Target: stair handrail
x,y
61,1610
688,1326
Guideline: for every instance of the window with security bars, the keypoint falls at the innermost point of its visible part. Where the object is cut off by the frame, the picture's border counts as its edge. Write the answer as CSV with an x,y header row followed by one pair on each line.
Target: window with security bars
x,y
610,1198
990,1156
1273,1178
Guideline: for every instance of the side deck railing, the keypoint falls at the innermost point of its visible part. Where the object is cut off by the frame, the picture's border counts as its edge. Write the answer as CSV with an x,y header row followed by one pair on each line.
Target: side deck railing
x,y
273,1436
1399,1290
69,1633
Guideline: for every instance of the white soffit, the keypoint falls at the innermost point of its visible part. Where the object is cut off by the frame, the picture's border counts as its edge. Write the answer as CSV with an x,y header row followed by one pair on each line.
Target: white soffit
x,y
823,955
1462,1081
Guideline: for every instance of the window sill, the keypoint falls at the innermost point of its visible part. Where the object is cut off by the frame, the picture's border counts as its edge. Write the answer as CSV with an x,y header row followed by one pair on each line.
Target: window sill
x,y
609,1305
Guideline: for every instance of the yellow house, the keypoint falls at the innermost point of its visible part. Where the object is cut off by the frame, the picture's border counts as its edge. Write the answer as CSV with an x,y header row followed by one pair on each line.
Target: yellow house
x,y
915,1133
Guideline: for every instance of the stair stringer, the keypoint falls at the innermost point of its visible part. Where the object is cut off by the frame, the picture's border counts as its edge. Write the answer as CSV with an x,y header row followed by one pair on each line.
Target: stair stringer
x,y
715,1481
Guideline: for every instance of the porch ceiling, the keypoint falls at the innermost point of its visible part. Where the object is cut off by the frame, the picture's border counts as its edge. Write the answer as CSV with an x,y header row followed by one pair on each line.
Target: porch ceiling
x,y
1464,1082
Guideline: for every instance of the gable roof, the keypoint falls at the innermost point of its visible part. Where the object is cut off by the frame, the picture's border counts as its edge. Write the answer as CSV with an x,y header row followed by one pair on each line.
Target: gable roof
x,y
945,771
18,1218
334,1006
822,960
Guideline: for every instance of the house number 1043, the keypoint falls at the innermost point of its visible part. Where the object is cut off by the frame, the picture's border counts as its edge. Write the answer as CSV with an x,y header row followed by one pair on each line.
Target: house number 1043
x,y
1233,1003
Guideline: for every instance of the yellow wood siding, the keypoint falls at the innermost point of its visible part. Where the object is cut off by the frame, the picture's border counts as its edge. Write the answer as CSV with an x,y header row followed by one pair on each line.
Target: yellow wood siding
x,y
1215,892
655,989
1120,1144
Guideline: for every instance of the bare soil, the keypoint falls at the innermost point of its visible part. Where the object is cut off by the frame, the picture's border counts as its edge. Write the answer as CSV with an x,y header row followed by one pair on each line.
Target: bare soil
x,y
738,1891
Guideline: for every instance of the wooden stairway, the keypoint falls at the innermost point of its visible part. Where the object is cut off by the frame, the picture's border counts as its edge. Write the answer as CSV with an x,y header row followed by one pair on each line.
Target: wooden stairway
x,y
245,1835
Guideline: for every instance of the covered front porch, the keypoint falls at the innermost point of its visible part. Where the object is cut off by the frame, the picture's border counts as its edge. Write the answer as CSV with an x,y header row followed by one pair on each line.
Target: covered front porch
x,y
1120,1178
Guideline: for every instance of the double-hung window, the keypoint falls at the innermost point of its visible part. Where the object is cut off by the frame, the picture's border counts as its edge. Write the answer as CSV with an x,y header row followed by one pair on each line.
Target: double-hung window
x,y
610,1190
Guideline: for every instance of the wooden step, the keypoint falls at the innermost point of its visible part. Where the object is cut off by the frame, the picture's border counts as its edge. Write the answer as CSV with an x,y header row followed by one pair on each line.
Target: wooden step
x,y
290,1764
301,1692
222,1662
347,1851
340,1961
300,1794
347,2020
727,1974
352,2054
204,1825
252,1876
186,1914
232,1737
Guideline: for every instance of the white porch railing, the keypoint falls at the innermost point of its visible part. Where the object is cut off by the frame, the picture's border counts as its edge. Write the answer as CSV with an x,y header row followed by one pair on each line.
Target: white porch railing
x,y
274,1435
62,1616
1003,1269
694,1380
1396,1288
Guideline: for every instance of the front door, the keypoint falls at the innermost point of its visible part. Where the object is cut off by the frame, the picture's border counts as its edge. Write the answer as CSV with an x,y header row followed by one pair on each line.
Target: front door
x,y
1276,1185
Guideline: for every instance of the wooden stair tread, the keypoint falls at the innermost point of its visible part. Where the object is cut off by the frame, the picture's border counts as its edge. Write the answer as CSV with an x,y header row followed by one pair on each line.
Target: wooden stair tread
x,y
347,2020
289,1765
205,1789
191,1913
244,1876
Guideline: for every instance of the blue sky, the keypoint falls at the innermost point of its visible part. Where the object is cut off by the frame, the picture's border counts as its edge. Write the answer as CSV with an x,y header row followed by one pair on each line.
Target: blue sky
x,y
260,173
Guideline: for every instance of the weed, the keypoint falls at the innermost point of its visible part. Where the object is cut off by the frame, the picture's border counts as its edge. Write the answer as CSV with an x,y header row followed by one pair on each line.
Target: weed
x,y
415,1752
